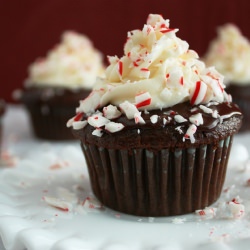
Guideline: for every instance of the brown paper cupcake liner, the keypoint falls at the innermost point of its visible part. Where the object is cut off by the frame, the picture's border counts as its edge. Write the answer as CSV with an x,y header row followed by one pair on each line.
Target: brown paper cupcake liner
x,y
49,122
164,183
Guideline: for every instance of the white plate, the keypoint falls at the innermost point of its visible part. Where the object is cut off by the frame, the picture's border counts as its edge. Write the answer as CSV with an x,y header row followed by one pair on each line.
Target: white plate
x,y
43,170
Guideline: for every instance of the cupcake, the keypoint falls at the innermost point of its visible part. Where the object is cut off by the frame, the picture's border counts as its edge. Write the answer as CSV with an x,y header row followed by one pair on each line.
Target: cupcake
x,y
56,83
157,130
229,52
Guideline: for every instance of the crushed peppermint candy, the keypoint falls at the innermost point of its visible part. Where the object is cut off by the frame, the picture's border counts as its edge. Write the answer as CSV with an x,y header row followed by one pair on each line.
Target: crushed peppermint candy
x,y
92,203
215,114
206,109
97,132
194,109
190,133
179,129
111,112
142,100
97,120
199,93
129,109
196,119
208,212
113,127
58,203
154,118
164,121
179,119
91,103
138,118
79,124
233,209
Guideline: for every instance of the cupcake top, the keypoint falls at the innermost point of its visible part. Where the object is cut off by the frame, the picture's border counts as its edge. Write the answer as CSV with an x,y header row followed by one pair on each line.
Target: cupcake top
x,y
158,71
73,63
229,52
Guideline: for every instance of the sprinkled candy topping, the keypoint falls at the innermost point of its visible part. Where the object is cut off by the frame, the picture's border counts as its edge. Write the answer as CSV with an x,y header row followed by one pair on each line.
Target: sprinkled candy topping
x,y
179,118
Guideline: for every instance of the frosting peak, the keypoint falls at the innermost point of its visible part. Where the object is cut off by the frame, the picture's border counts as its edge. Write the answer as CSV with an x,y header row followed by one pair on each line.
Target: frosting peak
x,y
73,63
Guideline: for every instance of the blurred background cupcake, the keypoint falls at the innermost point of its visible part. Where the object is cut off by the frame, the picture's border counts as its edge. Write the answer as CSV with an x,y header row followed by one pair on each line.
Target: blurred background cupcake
x,y
2,110
229,52
57,82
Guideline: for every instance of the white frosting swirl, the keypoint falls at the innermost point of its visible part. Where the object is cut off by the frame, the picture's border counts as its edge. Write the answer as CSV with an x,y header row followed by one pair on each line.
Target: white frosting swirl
x,y
74,63
158,67
229,52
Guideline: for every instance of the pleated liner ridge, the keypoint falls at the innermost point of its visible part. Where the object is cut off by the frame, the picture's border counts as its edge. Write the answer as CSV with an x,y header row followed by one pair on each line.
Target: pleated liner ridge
x,y
169,182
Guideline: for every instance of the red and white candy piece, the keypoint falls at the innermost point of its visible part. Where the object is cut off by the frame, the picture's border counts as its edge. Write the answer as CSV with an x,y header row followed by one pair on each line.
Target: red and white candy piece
x,y
129,109
97,120
207,212
91,203
144,73
138,118
79,124
236,208
120,68
58,203
179,119
76,118
142,99
91,103
199,93
190,133
196,119
111,112
233,209
113,127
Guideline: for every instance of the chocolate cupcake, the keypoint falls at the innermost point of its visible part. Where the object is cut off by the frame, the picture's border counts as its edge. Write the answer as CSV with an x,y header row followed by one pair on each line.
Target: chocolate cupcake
x,y
229,52
156,132
57,82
